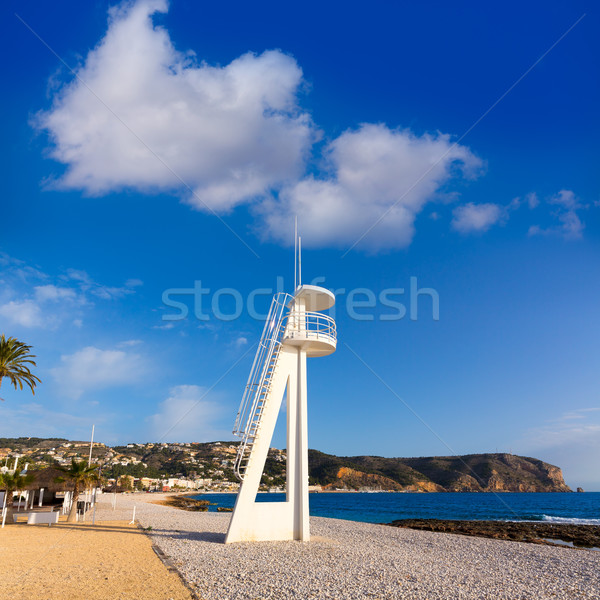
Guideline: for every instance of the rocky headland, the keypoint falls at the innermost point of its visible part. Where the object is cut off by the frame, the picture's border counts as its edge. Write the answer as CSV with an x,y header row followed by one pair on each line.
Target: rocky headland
x,y
469,473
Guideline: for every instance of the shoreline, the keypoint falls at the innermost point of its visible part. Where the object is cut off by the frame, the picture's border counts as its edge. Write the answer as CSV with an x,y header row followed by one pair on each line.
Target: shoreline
x,y
567,535
564,535
434,492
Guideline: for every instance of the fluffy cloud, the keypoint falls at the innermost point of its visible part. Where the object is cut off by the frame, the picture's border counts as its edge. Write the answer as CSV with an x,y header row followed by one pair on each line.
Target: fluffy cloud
x,y
570,226
476,218
143,115
26,313
93,369
375,175
188,415
44,293
151,117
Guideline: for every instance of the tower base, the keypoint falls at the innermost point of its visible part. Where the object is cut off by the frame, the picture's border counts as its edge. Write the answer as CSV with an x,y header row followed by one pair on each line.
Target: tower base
x,y
273,521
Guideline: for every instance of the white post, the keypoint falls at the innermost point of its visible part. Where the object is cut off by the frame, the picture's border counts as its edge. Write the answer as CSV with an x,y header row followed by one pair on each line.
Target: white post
x,y
4,508
32,498
67,503
41,496
133,518
94,512
91,446
114,502
16,461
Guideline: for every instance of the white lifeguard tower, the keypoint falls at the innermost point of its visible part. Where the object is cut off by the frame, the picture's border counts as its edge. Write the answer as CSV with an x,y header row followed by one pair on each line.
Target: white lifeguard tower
x,y
295,329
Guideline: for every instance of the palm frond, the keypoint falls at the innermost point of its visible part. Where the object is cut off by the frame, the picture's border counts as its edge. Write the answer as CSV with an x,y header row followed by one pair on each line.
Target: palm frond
x,y
15,358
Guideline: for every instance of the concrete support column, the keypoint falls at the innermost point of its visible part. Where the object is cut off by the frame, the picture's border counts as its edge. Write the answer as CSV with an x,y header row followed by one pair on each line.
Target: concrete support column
x,y
301,518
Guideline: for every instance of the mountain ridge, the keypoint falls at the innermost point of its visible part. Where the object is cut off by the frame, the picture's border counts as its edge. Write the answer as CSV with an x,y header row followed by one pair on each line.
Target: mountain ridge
x,y
486,472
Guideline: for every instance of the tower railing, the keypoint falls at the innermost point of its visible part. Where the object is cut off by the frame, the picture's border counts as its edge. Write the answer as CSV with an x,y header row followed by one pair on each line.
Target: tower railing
x,y
308,325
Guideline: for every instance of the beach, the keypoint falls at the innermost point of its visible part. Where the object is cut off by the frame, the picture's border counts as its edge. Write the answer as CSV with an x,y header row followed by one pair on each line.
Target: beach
x,y
106,561
351,560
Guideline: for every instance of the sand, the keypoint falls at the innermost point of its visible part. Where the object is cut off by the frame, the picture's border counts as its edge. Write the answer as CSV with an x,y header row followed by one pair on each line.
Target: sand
x,y
106,561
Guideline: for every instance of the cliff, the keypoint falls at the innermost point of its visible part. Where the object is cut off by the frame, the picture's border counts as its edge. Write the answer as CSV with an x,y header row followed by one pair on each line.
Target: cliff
x,y
469,473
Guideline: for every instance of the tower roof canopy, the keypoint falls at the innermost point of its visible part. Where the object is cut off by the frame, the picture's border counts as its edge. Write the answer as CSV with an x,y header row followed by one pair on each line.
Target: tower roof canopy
x,y
315,297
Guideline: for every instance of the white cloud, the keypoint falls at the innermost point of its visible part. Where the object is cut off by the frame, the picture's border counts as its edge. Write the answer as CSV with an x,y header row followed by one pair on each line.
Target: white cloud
x,y
30,312
580,433
32,298
129,343
236,134
532,200
476,218
571,441
26,419
188,415
570,226
567,199
88,285
230,132
131,283
44,293
241,342
92,369
25,313
373,171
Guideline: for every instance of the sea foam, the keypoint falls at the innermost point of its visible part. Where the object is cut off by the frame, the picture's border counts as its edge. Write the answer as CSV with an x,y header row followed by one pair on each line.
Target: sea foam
x,y
570,520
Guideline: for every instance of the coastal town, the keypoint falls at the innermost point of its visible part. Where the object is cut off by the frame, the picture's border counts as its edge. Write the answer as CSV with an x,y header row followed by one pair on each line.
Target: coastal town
x,y
202,467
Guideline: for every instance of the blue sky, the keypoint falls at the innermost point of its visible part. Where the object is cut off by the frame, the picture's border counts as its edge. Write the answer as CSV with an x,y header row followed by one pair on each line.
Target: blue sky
x,y
147,147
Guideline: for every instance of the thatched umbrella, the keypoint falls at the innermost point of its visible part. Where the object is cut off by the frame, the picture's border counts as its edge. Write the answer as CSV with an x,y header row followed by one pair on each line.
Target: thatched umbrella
x,y
46,478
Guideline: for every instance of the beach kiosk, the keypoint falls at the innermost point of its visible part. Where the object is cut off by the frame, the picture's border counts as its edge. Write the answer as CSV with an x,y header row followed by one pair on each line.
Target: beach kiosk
x,y
295,330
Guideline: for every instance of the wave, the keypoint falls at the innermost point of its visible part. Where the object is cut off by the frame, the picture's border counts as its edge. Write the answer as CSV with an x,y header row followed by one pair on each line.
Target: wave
x,y
570,520
554,519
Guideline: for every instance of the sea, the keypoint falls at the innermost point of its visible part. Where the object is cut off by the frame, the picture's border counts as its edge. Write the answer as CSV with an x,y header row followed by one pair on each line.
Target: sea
x,y
384,507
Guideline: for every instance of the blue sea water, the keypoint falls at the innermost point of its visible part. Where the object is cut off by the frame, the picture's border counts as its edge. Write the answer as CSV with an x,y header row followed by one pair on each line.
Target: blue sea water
x,y
581,508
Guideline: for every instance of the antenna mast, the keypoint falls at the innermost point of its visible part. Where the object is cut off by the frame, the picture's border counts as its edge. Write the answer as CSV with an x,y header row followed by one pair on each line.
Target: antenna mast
x,y
299,261
295,253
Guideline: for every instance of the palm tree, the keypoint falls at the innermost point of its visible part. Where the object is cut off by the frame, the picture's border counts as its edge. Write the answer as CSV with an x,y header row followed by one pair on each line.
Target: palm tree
x,y
80,474
15,359
124,482
13,483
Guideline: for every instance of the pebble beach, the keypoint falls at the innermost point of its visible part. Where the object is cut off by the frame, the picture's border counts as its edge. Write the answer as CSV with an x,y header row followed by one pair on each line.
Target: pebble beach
x,y
348,560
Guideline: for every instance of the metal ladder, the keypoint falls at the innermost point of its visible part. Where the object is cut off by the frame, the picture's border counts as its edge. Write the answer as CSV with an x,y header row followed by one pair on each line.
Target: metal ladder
x,y
258,389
